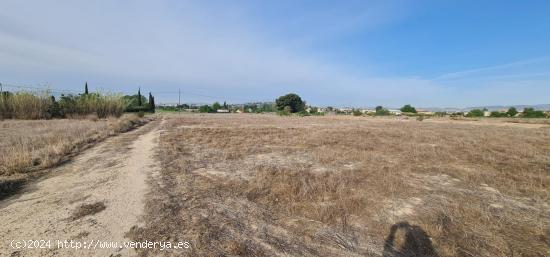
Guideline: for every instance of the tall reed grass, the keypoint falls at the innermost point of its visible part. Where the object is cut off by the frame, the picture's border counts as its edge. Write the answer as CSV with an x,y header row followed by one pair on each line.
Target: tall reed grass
x,y
24,105
101,105
42,105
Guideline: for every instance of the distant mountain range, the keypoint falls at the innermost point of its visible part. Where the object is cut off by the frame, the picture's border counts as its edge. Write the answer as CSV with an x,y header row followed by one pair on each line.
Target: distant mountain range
x,y
542,107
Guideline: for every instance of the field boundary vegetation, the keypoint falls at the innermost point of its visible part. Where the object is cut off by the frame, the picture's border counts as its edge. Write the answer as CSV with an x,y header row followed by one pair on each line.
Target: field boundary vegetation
x,y
34,146
293,104
42,104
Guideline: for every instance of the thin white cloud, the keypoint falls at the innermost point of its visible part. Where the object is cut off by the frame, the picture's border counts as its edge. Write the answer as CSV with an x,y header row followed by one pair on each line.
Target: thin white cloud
x,y
187,43
500,67
212,49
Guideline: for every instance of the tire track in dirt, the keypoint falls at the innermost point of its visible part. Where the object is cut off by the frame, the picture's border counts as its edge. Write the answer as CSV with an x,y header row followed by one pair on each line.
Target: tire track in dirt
x,y
97,196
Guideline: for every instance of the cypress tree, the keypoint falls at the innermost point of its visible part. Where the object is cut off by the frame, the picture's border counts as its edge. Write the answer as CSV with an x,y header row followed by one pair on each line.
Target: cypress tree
x,y
139,96
86,88
151,102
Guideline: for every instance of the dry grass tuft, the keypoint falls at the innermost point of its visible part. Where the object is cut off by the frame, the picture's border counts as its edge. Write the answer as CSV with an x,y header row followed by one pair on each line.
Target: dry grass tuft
x,y
87,209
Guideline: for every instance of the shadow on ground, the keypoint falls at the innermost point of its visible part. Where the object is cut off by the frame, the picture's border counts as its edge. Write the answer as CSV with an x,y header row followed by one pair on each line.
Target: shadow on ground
x,y
406,240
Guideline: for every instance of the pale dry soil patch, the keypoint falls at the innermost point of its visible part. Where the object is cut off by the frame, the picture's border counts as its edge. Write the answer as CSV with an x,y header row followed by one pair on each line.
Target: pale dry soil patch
x,y
99,195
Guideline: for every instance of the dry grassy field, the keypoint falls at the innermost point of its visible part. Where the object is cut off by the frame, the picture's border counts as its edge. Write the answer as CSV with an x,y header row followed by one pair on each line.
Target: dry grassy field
x,y
33,145
263,185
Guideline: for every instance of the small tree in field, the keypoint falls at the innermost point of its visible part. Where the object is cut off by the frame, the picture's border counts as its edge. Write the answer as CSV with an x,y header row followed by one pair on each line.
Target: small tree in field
x,y
216,106
86,88
512,112
408,108
293,101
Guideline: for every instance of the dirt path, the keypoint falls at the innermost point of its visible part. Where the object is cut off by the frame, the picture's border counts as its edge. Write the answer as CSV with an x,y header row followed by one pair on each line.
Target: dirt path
x,y
97,196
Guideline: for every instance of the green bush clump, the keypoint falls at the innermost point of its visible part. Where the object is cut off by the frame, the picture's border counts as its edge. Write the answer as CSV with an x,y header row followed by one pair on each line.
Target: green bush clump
x,y
512,112
41,105
292,101
475,113
532,113
381,111
408,108
496,114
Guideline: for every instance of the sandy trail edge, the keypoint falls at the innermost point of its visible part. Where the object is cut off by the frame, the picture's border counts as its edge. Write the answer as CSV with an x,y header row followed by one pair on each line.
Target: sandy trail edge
x,y
114,173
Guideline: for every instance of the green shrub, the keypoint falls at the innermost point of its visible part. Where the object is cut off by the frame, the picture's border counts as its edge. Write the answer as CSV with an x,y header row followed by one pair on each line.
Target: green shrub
x,y
304,113
475,113
283,113
408,108
496,114
532,113
382,111
136,109
216,106
206,109
512,112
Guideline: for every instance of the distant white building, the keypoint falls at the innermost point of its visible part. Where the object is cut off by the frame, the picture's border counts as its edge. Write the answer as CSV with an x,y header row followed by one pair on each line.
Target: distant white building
x,y
425,112
345,110
396,112
223,111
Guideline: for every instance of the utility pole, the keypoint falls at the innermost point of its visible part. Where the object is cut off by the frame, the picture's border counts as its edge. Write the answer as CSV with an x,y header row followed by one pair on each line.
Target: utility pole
x,y
179,97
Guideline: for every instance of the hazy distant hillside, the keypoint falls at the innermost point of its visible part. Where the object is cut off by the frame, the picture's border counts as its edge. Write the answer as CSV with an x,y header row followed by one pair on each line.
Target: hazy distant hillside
x,y
544,107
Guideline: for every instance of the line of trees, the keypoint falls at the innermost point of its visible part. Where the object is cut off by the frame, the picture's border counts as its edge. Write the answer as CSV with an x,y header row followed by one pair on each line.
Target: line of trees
x,y
138,102
43,105
245,108
213,108
29,105
511,112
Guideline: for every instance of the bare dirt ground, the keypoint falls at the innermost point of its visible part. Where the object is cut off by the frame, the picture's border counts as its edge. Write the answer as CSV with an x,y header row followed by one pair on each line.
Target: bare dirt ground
x,y
99,195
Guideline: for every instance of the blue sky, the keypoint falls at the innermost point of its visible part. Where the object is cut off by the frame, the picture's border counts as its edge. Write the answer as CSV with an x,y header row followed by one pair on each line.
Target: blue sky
x,y
339,53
